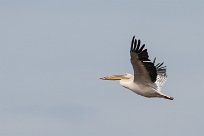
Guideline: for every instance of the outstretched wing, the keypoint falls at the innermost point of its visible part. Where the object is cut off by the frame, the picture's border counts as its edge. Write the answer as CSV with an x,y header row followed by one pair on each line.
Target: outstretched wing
x,y
144,69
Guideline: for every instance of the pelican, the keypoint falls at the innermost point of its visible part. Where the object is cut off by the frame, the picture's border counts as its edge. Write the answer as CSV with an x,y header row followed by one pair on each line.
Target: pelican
x,y
148,77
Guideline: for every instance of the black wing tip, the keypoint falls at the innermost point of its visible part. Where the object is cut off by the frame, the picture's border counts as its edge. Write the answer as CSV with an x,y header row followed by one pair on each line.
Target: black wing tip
x,y
154,60
160,68
135,46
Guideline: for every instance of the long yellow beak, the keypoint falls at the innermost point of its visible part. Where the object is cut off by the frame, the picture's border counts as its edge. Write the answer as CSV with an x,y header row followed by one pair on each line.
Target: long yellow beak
x,y
114,77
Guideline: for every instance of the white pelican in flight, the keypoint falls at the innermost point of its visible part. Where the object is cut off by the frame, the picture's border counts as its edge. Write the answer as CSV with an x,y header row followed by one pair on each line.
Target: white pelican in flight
x,y
148,77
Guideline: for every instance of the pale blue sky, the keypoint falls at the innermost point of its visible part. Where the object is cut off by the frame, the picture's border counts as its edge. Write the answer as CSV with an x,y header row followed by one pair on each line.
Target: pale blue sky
x,y
52,53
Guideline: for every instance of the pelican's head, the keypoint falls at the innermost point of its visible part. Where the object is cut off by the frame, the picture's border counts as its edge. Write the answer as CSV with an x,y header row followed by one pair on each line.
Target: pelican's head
x,y
118,77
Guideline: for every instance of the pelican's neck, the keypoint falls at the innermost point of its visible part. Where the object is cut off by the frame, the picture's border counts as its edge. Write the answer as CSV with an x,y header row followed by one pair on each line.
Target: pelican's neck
x,y
126,83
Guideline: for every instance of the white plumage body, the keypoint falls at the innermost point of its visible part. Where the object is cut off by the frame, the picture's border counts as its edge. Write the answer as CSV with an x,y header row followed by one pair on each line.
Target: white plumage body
x,y
147,90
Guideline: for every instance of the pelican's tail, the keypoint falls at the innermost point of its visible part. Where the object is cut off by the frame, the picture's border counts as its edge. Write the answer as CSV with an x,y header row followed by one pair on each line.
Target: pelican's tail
x,y
168,97
165,96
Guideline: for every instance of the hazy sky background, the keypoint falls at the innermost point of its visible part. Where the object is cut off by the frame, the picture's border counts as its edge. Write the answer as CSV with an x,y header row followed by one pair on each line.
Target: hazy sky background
x,y
52,53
